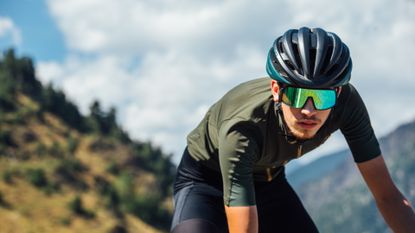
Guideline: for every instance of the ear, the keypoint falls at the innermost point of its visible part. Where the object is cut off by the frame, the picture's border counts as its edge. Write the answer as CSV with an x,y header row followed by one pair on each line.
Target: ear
x,y
275,90
338,90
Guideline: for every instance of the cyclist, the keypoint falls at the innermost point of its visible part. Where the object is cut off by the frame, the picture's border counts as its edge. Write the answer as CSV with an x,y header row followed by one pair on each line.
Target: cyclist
x,y
231,176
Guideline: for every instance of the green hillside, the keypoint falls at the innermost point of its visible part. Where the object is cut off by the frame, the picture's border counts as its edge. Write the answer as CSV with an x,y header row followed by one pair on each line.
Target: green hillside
x,y
61,171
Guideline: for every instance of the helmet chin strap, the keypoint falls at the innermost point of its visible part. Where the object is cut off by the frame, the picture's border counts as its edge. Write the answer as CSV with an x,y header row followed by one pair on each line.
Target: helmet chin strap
x,y
286,132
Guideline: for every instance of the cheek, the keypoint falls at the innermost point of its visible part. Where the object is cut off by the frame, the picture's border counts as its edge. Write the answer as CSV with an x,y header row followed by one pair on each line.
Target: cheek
x,y
325,114
290,113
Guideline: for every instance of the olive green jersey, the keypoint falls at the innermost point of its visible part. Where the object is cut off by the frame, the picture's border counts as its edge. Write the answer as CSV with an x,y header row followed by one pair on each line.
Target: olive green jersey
x,y
244,136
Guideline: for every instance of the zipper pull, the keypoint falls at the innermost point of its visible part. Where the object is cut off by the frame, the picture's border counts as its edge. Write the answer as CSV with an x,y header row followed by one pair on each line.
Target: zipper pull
x,y
269,176
299,151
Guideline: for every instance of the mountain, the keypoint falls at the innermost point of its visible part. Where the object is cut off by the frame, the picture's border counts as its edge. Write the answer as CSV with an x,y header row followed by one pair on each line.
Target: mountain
x,y
337,198
316,169
61,171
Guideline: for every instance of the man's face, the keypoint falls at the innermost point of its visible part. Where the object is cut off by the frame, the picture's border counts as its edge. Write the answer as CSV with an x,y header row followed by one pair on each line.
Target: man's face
x,y
302,122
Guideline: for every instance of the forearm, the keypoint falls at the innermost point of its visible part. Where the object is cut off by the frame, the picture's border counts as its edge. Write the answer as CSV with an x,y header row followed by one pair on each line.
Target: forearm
x,y
398,213
395,209
242,219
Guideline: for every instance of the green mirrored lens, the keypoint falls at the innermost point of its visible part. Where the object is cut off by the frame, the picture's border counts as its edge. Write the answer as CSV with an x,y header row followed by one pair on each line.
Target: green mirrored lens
x,y
297,97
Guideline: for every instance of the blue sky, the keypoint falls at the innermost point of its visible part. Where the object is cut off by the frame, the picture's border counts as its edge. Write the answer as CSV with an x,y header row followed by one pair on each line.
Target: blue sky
x,y
40,38
162,63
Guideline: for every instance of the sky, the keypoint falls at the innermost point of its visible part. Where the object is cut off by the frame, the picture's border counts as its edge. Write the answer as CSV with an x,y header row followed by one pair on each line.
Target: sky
x,y
162,63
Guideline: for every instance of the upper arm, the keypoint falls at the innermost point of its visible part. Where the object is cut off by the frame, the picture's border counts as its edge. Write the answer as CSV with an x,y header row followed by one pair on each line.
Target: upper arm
x,y
357,129
377,177
237,155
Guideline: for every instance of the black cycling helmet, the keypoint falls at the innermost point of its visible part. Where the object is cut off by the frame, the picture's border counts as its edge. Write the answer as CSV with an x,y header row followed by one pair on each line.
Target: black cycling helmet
x,y
309,58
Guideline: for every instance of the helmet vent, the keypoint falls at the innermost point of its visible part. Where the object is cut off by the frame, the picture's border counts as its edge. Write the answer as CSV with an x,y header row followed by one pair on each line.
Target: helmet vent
x,y
290,65
326,61
312,60
332,70
280,69
297,59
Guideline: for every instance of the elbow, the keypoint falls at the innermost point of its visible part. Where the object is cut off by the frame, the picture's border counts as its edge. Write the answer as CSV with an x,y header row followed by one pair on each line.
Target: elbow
x,y
391,198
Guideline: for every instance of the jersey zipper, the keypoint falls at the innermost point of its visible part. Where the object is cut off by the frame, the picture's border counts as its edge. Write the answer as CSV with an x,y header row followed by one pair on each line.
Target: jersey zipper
x,y
299,150
269,176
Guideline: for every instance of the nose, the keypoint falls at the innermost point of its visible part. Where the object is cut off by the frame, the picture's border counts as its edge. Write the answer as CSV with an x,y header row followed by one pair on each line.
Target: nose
x,y
308,108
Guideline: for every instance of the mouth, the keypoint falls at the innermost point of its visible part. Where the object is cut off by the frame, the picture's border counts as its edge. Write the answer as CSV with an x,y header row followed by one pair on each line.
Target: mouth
x,y
307,124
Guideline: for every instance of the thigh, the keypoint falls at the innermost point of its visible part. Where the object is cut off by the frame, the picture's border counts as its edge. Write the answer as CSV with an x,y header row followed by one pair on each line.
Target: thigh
x,y
280,209
198,208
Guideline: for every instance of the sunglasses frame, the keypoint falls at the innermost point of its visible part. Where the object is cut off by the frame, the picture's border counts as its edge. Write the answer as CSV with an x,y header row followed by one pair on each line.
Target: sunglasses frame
x,y
283,87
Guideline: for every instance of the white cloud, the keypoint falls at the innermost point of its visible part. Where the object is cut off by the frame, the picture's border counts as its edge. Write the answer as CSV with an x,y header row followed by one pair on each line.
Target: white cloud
x,y
163,62
49,72
103,79
196,27
8,28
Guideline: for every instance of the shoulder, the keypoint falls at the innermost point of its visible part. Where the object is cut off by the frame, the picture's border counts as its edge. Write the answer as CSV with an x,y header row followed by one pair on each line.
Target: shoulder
x,y
249,101
250,88
348,93
349,99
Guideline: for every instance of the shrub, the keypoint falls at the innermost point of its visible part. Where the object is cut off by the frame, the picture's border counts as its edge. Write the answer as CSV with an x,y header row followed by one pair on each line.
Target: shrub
x,y
41,149
56,150
7,105
52,187
6,138
101,144
113,168
76,206
7,91
66,221
73,144
19,118
29,137
37,177
55,101
121,135
147,207
68,171
3,202
8,176
118,229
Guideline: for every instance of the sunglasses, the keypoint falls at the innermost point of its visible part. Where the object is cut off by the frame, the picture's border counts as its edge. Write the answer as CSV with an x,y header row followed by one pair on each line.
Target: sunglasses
x,y
297,97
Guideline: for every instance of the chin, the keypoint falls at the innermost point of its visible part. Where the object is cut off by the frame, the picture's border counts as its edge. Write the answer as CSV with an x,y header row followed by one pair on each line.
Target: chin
x,y
304,135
